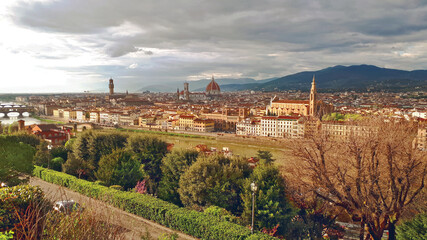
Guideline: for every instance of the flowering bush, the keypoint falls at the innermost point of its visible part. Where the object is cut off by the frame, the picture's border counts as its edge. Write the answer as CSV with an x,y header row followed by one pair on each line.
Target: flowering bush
x,y
141,187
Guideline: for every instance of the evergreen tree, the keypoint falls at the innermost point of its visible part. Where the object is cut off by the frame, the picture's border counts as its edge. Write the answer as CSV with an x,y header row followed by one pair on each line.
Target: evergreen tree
x,y
90,147
271,205
76,167
59,151
16,159
214,180
173,166
42,157
265,156
119,168
149,151
24,137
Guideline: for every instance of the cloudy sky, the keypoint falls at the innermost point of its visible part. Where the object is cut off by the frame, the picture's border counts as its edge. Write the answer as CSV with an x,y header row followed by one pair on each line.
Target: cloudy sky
x,y
77,45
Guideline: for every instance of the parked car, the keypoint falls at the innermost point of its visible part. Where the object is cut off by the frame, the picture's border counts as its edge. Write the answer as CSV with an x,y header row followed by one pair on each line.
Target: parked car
x,y
67,206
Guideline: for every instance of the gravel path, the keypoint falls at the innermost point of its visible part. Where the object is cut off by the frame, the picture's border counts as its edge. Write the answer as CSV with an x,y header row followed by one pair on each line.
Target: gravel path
x,y
136,226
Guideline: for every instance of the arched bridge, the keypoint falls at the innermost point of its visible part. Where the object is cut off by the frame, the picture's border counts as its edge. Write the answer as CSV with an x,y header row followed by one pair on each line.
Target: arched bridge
x,y
20,109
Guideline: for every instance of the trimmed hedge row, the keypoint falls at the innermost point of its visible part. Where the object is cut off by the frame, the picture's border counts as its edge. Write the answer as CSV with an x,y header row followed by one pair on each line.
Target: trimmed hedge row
x,y
190,222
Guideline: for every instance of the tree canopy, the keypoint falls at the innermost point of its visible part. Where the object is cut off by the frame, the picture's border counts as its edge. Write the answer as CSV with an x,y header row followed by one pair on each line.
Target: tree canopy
x,y
90,146
373,175
214,180
149,151
16,159
173,166
271,205
119,168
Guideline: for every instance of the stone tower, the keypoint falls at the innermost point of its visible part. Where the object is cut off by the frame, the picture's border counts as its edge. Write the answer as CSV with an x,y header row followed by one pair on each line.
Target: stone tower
x,y
111,86
186,91
313,98
21,125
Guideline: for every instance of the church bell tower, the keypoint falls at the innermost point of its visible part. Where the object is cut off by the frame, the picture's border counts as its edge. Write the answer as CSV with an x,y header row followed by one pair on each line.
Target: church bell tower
x,y
313,98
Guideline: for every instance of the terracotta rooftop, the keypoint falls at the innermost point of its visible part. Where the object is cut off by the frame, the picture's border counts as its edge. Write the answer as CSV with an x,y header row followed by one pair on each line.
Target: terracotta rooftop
x,y
292,101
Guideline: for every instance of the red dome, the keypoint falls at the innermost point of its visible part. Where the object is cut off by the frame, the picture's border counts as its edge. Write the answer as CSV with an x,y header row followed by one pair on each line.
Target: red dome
x,y
213,86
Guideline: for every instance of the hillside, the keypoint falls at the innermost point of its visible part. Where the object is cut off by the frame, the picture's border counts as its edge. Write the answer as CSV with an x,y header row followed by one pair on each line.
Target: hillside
x,y
356,77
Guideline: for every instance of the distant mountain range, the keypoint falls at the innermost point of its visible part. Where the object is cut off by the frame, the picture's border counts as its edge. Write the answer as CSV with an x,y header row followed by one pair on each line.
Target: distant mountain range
x,y
356,77
338,78
200,85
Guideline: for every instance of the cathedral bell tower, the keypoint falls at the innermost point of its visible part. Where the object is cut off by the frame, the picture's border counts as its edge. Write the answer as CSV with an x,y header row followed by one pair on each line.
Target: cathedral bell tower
x,y
313,98
186,91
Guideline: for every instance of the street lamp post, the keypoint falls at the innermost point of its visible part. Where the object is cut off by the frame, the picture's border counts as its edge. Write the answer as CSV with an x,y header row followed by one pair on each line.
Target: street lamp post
x,y
253,188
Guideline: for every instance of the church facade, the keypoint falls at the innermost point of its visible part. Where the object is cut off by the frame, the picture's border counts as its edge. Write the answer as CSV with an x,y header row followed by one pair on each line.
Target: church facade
x,y
312,107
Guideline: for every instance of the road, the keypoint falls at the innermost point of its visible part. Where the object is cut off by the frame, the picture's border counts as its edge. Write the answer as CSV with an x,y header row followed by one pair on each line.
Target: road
x,y
136,226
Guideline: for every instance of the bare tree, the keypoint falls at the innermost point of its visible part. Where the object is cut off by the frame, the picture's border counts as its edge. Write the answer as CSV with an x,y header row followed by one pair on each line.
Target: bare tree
x,y
373,172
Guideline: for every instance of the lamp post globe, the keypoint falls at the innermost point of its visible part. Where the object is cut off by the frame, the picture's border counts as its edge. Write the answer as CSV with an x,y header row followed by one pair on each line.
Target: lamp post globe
x,y
254,187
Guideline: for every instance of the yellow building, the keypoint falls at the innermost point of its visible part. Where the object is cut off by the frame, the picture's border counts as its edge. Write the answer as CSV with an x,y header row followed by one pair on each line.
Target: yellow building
x,y
58,113
203,125
186,122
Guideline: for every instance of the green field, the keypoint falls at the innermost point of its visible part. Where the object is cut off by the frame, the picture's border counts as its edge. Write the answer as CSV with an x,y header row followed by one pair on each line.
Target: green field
x,y
238,147
47,120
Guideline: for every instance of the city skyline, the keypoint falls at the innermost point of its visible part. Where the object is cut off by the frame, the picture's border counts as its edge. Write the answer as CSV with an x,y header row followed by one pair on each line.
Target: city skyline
x,y
73,46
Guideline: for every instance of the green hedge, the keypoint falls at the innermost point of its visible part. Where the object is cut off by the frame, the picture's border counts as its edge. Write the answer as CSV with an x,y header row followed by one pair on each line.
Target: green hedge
x,y
191,222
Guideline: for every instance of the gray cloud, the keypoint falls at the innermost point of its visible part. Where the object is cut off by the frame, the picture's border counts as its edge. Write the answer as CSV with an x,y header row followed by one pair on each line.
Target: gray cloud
x,y
251,38
118,50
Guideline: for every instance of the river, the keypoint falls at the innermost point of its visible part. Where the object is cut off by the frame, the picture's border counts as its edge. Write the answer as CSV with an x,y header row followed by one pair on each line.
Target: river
x,y
13,117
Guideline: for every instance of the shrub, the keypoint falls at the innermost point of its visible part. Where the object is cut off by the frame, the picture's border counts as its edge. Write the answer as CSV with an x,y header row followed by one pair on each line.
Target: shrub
x,y
22,209
141,187
194,223
59,151
76,167
6,235
220,213
413,229
117,187
81,225
56,164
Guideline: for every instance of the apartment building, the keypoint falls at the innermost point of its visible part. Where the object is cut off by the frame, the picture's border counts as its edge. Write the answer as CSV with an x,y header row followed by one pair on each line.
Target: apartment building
x,y
249,128
94,116
203,125
186,122
282,127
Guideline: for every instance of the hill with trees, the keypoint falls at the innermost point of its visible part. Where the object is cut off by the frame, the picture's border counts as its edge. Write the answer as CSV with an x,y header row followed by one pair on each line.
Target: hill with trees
x,y
356,77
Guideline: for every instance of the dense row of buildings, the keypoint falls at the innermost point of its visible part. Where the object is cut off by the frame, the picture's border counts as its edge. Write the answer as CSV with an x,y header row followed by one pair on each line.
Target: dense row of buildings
x,y
289,114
